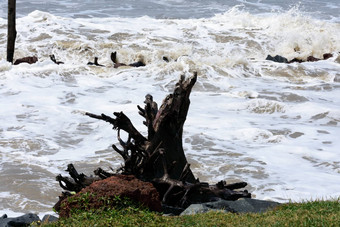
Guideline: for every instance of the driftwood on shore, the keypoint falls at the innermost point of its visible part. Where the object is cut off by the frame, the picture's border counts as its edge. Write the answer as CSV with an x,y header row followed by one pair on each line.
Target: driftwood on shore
x,y
159,157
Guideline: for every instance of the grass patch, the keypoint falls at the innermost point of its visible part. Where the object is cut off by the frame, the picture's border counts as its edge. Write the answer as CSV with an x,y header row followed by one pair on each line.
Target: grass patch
x,y
316,213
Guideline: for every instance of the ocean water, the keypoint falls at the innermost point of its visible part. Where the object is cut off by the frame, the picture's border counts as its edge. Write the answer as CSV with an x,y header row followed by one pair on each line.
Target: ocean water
x,y
273,125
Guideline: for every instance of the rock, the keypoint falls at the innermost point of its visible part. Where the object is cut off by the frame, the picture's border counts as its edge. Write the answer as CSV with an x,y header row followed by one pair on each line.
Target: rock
x,y
277,58
281,59
24,220
244,205
327,55
49,218
137,64
119,185
196,209
29,60
312,59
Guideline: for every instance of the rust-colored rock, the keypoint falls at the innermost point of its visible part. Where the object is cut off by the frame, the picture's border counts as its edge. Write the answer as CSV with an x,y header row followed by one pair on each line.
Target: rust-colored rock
x,y
119,185
313,59
29,60
327,55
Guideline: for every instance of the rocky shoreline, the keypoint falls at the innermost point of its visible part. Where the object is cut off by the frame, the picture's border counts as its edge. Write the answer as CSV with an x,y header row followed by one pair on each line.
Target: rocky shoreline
x,y
243,205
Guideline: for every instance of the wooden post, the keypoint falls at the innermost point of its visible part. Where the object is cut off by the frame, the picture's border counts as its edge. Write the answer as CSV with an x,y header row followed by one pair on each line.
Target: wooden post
x,y
11,32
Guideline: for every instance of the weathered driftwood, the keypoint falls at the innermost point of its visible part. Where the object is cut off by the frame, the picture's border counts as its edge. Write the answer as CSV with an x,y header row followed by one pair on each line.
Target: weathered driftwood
x,y
11,30
117,64
52,57
95,62
159,158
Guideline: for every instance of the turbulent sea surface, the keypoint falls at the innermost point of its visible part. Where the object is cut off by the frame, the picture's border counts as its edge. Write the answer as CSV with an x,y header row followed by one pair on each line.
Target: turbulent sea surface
x,y
273,125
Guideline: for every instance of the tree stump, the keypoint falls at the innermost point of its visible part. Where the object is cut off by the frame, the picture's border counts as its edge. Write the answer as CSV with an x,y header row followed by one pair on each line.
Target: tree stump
x,y
159,158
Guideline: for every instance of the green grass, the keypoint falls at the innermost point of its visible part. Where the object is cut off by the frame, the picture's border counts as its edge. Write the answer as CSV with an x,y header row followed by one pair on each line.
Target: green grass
x,y
316,213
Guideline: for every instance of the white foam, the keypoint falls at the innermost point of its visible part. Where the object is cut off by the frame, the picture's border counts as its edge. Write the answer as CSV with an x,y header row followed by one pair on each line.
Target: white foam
x,y
273,125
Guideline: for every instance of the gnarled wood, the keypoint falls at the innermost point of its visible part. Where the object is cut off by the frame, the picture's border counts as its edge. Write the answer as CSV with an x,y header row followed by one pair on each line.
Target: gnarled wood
x,y
160,157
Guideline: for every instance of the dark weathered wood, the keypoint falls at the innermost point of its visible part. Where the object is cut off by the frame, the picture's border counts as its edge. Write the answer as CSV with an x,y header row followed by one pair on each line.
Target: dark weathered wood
x,y
116,64
77,181
95,62
159,158
52,57
11,30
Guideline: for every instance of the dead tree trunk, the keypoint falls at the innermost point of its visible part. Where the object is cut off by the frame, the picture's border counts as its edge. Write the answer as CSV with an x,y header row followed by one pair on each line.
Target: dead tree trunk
x,y
11,30
159,158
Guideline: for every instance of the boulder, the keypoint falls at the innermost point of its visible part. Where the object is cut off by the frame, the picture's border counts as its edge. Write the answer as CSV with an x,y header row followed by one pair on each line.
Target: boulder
x,y
327,55
277,58
244,205
312,59
119,185
49,219
24,220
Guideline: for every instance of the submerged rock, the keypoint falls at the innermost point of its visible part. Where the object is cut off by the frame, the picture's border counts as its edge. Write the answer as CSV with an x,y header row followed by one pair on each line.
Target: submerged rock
x,y
277,58
281,59
312,59
29,60
327,55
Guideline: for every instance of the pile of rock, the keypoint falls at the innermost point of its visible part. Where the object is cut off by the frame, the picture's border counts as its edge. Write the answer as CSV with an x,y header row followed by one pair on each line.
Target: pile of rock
x,y
281,59
142,192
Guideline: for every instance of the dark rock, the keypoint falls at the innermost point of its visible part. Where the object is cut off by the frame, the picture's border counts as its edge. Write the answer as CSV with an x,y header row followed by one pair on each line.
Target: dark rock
x,y
29,60
327,55
198,209
244,205
49,218
281,59
137,64
312,59
277,58
24,220
166,59
119,185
